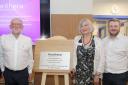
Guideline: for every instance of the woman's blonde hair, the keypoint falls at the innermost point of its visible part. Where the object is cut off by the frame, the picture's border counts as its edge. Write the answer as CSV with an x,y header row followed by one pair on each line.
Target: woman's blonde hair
x,y
91,28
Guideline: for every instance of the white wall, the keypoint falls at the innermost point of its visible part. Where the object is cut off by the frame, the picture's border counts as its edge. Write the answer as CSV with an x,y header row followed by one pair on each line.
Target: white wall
x,y
104,7
96,7
71,6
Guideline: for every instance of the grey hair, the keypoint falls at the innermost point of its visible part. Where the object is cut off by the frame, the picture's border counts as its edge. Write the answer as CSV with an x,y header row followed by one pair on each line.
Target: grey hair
x,y
91,28
18,19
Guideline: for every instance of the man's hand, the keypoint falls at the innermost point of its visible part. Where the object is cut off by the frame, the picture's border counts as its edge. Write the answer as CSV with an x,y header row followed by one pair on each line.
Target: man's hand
x,y
96,80
30,77
1,76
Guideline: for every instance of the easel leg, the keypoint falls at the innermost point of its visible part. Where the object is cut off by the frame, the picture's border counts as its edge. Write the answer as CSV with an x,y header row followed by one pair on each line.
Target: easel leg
x,y
56,77
43,78
66,81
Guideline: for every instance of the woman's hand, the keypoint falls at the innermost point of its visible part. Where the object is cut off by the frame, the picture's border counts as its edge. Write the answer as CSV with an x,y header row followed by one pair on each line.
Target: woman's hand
x,y
72,73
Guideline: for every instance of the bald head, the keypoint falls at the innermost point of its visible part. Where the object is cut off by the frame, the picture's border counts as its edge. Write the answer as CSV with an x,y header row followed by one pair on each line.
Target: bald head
x,y
16,26
17,20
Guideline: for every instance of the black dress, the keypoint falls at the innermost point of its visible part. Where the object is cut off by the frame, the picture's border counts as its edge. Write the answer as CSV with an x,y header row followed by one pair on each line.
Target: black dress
x,y
85,64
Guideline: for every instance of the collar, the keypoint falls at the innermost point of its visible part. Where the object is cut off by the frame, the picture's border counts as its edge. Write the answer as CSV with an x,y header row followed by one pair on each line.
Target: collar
x,y
118,36
15,37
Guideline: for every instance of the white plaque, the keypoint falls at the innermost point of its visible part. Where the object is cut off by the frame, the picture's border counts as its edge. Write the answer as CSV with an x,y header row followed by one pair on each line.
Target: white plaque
x,y
55,60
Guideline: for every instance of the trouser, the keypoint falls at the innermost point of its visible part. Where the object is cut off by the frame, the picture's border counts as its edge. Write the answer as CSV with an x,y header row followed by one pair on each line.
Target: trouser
x,y
16,77
115,79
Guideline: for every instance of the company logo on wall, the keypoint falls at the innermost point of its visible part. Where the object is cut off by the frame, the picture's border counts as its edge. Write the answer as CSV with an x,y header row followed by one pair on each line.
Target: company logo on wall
x,y
27,10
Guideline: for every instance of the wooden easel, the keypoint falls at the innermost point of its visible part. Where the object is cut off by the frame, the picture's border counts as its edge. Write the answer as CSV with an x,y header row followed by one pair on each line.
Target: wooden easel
x,y
52,45
56,78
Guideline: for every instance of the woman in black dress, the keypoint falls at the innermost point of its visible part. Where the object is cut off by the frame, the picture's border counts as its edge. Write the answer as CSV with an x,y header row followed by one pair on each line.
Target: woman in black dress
x,y
87,55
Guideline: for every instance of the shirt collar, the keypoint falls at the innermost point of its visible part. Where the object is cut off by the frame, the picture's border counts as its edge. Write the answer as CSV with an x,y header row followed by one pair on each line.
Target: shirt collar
x,y
14,36
118,36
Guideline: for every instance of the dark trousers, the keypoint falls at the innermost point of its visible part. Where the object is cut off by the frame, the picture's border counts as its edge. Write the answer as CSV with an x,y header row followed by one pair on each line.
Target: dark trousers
x,y
115,79
16,77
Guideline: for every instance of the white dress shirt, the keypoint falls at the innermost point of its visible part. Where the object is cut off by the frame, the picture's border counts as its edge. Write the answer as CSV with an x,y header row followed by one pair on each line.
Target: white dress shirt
x,y
115,59
98,52
16,54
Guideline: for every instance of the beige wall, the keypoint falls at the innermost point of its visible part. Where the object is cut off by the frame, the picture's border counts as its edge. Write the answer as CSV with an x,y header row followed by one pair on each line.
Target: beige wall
x,y
66,24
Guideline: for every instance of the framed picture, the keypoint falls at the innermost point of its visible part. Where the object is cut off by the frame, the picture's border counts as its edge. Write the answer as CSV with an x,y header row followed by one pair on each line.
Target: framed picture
x,y
102,32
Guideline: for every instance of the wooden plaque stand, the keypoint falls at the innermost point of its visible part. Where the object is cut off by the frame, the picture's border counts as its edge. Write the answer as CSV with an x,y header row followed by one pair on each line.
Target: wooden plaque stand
x,y
56,78
52,46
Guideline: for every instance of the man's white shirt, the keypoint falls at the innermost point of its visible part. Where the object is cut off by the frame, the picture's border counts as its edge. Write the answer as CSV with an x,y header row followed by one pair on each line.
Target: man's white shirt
x,y
16,54
115,59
